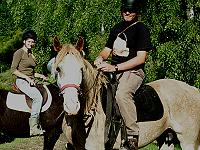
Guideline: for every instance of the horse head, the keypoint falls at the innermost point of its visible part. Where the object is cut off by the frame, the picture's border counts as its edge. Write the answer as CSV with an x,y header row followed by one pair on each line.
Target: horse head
x,y
68,66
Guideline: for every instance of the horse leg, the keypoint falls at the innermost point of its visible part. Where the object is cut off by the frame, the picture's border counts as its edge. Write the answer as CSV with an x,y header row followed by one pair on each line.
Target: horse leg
x,y
95,139
50,138
67,130
189,138
188,145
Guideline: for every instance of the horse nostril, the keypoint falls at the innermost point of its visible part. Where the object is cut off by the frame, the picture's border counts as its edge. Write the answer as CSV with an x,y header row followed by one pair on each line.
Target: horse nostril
x,y
57,69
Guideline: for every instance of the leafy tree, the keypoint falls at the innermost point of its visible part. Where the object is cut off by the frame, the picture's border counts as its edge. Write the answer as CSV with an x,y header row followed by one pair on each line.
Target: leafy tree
x,y
174,27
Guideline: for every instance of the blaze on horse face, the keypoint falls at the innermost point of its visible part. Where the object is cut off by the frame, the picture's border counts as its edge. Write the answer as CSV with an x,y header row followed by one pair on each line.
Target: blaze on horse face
x,y
69,78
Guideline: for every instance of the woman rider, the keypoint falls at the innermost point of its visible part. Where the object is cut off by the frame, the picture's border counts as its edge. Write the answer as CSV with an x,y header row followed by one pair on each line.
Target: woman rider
x,y
23,65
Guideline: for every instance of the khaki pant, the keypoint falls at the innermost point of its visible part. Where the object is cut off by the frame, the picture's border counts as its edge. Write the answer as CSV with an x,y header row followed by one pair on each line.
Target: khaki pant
x,y
129,82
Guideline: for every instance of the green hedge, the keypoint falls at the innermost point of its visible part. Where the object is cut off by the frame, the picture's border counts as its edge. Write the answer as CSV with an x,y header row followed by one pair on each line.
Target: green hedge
x,y
175,36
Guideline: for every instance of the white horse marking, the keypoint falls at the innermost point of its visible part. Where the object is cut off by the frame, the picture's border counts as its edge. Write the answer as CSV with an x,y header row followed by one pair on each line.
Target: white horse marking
x,y
70,73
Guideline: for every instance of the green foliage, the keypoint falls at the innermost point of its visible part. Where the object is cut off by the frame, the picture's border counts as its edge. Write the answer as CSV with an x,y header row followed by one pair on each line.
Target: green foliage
x,y
175,36
176,40
6,80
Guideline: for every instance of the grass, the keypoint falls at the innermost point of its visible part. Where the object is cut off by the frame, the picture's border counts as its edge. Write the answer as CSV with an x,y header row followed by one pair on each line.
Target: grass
x,y
36,143
22,144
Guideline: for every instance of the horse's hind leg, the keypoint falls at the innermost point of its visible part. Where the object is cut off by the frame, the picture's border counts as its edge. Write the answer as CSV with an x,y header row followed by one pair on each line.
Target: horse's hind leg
x,y
188,145
189,138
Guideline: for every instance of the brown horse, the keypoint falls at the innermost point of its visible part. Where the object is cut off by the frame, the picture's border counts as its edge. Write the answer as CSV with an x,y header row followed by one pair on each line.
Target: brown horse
x,y
14,121
180,102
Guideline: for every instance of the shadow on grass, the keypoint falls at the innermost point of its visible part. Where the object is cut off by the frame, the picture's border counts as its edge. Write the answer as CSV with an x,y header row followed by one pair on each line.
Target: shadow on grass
x,y
5,138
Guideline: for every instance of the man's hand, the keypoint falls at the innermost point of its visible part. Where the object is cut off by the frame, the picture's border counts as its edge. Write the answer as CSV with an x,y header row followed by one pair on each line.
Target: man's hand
x,y
106,67
98,61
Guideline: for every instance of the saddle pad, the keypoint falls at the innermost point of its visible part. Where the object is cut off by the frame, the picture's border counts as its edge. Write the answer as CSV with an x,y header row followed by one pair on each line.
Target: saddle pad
x,y
148,104
18,102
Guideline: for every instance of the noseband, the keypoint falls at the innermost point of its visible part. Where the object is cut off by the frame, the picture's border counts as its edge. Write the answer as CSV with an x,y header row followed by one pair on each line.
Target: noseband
x,y
78,86
70,85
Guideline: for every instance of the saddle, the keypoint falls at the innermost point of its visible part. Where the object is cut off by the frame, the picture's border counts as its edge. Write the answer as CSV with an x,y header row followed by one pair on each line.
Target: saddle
x,y
146,99
40,87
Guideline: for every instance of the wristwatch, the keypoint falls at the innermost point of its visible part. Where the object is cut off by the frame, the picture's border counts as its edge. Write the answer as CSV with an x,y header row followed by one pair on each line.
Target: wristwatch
x,y
116,68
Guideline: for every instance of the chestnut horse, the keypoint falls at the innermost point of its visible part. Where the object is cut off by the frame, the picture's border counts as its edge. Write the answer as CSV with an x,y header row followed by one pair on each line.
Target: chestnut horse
x,y
81,86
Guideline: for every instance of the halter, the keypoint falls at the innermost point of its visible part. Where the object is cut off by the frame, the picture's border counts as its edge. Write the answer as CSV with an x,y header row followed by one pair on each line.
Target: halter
x,y
70,85
78,86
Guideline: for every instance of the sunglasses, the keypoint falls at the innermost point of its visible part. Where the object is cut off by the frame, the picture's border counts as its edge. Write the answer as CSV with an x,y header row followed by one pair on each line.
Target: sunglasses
x,y
124,10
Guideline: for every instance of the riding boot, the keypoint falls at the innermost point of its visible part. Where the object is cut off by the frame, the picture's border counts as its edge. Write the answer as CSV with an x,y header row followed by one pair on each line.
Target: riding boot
x,y
35,127
131,143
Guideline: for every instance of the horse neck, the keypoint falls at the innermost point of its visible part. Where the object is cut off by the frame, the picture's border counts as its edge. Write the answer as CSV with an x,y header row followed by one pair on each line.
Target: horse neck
x,y
92,84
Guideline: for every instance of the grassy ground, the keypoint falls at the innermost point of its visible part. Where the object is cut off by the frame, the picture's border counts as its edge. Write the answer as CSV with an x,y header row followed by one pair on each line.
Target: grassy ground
x,y
36,143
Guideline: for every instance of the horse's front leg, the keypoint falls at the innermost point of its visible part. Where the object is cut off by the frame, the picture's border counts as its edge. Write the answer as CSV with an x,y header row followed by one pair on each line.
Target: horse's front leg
x,y
50,137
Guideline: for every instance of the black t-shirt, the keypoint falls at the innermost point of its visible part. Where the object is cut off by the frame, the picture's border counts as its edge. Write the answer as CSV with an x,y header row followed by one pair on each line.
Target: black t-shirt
x,y
137,38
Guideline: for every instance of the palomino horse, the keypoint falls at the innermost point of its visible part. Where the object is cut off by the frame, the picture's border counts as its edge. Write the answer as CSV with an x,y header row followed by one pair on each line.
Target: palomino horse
x,y
14,119
180,101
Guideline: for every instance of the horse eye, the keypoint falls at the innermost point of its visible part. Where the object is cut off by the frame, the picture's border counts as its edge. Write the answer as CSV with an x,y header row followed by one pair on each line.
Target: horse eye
x,y
58,69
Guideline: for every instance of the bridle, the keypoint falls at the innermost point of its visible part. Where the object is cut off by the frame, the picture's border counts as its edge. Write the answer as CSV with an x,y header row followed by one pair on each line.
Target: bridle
x,y
77,86
70,85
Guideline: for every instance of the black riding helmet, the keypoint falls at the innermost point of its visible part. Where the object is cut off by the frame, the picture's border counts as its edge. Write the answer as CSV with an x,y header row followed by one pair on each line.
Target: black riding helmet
x,y
29,34
131,6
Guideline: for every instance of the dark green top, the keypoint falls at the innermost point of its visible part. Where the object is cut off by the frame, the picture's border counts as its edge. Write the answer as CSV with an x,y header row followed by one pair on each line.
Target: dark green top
x,y
23,62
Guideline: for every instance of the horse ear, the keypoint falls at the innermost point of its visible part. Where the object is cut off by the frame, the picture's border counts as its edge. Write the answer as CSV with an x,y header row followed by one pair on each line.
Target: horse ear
x,y
80,44
56,44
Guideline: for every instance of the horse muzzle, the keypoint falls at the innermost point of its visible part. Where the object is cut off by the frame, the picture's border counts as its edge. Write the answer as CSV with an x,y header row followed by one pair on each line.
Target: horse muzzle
x,y
71,99
71,107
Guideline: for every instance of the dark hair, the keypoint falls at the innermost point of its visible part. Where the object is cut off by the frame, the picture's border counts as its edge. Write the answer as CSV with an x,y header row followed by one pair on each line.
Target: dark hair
x,y
131,5
29,34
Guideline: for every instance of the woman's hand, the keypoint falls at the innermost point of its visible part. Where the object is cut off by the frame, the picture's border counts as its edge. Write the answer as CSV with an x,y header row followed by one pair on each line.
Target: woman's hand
x,y
44,77
30,81
37,75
